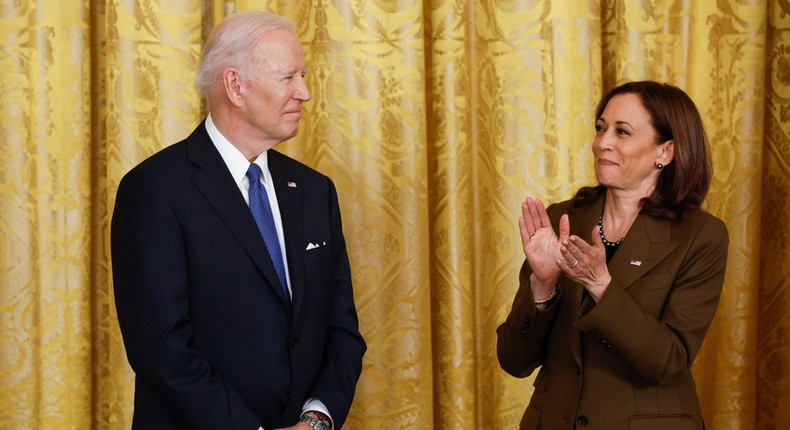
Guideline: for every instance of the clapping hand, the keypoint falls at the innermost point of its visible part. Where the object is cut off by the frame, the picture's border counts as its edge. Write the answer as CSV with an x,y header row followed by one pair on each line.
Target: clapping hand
x,y
542,246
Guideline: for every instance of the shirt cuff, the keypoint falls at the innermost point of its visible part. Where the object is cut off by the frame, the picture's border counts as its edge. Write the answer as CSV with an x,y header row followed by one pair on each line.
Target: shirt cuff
x,y
317,406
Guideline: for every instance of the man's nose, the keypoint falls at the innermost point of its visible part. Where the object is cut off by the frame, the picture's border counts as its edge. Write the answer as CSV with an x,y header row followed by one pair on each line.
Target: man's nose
x,y
302,92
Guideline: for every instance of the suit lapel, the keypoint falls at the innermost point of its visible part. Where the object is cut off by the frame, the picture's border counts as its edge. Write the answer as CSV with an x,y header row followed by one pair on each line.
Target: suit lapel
x,y
582,221
289,198
213,179
646,244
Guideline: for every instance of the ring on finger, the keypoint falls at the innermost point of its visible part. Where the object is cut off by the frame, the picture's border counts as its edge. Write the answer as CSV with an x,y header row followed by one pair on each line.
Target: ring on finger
x,y
574,264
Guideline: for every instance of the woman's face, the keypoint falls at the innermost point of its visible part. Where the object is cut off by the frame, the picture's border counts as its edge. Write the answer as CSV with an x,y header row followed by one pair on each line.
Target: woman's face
x,y
625,149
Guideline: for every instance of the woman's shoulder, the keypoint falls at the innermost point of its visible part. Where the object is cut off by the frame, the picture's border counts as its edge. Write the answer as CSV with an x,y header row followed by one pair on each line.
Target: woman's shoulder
x,y
575,204
591,209
557,209
701,222
560,206
701,217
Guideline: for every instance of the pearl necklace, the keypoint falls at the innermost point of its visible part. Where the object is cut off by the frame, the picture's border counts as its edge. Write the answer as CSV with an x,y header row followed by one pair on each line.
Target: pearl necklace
x,y
603,238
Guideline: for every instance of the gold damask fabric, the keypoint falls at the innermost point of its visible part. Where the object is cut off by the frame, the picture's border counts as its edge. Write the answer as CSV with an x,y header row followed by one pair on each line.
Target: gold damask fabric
x,y
435,118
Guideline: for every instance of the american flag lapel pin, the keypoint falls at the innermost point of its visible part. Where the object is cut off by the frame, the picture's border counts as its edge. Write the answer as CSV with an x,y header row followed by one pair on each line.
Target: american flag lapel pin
x,y
291,184
636,263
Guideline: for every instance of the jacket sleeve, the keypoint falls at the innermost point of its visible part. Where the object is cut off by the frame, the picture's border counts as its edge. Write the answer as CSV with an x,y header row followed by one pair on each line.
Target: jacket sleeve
x,y
522,338
152,301
660,347
344,347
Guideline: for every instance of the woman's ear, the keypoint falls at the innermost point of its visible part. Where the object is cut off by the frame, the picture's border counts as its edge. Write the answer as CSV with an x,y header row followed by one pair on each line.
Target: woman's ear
x,y
667,152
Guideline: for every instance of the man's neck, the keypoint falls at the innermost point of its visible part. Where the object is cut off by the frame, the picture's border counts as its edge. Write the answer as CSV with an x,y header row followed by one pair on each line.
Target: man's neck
x,y
240,134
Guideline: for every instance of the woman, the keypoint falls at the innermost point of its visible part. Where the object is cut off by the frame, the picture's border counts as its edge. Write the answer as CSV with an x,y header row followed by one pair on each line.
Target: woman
x,y
615,324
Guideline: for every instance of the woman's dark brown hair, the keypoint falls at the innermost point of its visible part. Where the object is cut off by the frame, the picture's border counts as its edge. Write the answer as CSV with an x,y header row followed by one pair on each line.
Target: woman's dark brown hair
x,y
683,183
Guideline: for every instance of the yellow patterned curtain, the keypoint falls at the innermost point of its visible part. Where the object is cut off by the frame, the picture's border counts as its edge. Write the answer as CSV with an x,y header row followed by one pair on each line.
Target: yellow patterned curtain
x,y
435,118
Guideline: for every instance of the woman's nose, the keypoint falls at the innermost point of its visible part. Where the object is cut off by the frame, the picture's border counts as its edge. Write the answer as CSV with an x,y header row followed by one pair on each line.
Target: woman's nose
x,y
604,141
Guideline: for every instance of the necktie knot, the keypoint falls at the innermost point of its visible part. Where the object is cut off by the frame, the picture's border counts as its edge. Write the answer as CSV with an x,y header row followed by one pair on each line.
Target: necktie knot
x,y
254,173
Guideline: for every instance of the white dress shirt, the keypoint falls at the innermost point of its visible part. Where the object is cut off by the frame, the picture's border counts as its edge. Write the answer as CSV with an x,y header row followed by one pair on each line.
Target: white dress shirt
x,y
238,166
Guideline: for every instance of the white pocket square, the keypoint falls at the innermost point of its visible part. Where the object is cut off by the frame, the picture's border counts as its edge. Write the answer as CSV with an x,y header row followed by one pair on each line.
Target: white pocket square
x,y
312,245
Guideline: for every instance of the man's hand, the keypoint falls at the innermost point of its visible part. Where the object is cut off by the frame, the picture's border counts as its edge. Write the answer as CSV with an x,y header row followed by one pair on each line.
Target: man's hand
x,y
304,426
299,426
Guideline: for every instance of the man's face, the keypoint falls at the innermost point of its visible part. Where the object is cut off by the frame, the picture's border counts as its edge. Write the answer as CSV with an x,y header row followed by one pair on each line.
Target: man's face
x,y
275,87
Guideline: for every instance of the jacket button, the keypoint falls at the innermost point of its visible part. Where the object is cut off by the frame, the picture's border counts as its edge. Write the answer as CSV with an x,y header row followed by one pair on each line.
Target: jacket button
x,y
578,370
582,420
525,328
294,343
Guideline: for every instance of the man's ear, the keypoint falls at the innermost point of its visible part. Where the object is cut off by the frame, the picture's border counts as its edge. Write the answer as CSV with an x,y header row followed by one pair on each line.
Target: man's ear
x,y
231,82
667,153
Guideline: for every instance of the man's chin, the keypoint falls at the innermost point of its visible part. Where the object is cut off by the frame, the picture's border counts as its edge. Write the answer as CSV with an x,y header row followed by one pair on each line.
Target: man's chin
x,y
290,135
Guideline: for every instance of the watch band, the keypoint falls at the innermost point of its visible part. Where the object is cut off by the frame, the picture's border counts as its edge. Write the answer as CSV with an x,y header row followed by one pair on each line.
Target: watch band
x,y
315,423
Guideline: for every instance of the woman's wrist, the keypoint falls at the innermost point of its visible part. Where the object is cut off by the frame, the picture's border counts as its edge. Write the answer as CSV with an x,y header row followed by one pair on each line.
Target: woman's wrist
x,y
543,291
596,290
547,299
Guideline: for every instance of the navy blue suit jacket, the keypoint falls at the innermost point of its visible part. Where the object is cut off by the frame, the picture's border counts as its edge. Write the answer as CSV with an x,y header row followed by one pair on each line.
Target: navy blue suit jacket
x,y
211,338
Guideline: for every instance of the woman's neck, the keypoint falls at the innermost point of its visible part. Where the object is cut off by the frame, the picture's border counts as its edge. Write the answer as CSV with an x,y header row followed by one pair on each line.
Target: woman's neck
x,y
619,212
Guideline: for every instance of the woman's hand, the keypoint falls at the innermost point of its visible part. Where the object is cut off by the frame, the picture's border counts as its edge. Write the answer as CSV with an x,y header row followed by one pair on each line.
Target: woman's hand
x,y
541,245
586,264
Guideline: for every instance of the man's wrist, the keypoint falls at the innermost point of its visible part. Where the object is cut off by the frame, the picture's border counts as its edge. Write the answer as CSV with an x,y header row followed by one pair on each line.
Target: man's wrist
x,y
316,420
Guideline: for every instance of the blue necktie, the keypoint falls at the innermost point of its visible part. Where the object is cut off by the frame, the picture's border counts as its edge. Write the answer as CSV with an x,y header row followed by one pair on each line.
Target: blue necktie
x,y
262,212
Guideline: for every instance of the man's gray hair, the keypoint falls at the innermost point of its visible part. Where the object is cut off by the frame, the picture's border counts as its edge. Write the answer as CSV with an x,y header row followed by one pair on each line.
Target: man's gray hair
x,y
232,44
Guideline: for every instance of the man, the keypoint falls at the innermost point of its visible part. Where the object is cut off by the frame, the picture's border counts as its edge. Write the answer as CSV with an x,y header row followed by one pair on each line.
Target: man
x,y
232,280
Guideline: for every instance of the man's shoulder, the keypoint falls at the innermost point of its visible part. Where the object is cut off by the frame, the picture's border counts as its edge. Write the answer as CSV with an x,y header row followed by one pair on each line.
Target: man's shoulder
x,y
168,159
161,162
294,167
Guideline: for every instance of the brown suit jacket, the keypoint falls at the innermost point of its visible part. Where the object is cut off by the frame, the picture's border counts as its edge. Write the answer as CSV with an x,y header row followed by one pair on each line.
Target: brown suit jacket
x,y
625,362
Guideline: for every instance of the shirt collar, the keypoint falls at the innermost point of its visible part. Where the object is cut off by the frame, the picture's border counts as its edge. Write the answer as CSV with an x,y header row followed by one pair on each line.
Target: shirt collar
x,y
234,159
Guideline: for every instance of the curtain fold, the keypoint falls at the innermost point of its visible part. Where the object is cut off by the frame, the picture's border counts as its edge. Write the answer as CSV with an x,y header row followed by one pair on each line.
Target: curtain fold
x,y
773,321
435,119
45,240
